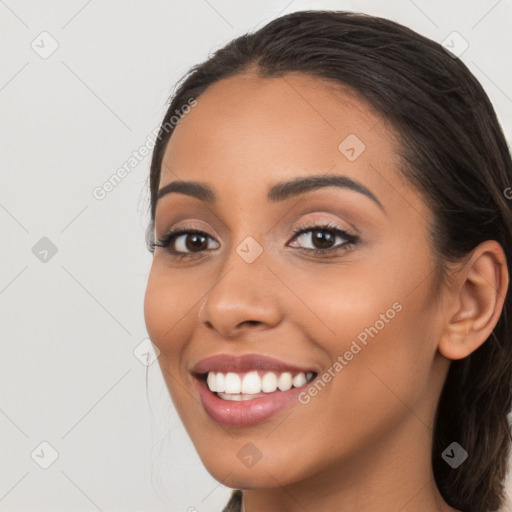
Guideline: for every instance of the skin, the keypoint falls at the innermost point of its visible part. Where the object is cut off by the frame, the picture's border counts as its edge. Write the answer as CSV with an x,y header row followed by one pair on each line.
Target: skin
x,y
364,442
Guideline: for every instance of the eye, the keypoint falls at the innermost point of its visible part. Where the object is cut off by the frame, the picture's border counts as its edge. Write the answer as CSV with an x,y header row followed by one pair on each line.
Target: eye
x,y
181,242
322,238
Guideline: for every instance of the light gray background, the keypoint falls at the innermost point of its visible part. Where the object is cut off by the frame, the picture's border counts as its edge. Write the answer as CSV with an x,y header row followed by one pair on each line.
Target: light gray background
x,y
70,325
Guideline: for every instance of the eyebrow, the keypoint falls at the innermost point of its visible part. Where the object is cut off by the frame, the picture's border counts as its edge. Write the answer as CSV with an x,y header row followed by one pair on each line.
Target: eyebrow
x,y
279,192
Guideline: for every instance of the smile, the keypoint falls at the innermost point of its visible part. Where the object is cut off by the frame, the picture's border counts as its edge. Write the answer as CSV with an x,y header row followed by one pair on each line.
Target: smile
x,y
253,384
242,391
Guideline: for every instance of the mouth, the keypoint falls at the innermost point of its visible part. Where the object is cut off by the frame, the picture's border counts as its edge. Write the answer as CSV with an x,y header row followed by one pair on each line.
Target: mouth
x,y
254,384
243,391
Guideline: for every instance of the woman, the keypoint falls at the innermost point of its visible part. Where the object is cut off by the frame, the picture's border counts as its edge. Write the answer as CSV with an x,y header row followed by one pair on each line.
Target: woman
x,y
329,283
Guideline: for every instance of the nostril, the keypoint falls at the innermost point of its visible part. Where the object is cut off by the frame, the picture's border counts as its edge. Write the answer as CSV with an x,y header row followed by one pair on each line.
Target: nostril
x,y
250,322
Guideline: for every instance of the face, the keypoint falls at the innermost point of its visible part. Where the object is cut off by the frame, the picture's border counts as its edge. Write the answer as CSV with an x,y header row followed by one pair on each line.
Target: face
x,y
335,280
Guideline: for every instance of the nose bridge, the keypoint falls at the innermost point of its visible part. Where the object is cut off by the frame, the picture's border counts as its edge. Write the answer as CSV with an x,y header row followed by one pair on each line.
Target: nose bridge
x,y
242,292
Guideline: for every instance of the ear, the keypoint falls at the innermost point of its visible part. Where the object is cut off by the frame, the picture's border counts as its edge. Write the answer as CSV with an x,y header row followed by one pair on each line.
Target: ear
x,y
476,300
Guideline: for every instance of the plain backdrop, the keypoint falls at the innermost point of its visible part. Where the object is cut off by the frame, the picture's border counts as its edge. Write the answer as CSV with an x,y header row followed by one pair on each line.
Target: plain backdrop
x,y
83,84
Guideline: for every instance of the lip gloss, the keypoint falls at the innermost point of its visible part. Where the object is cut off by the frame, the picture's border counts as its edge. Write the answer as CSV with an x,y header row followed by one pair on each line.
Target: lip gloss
x,y
246,412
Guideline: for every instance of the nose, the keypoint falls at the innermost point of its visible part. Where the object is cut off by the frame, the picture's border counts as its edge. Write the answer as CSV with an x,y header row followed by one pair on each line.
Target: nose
x,y
242,296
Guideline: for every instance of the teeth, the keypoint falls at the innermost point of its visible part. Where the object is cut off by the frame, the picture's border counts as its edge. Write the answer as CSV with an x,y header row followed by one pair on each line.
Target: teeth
x,y
251,383
232,383
284,382
299,380
219,382
212,381
236,398
234,386
269,382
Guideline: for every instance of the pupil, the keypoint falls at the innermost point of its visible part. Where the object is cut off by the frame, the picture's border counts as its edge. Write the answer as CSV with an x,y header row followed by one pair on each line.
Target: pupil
x,y
196,242
322,239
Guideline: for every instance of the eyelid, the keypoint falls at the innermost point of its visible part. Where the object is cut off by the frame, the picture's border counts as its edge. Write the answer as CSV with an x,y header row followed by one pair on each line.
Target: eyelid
x,y
350,238
191,225
325,224
325,219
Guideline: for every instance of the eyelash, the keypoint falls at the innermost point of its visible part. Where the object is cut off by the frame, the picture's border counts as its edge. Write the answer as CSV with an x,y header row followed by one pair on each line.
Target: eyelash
x,y
350,240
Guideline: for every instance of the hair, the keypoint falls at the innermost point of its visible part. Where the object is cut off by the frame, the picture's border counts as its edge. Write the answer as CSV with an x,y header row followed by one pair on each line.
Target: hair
x,y
452,149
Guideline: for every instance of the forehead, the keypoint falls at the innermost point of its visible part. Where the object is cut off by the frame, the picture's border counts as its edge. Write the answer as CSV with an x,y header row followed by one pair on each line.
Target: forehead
x,y
247,132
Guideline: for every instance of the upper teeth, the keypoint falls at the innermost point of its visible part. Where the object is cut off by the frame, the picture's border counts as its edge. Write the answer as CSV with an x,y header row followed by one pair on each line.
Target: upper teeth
x,y
251,383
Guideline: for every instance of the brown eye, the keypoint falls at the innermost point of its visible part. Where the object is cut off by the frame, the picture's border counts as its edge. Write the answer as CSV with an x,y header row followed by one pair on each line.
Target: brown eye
x,y
181,242
193,242
323,238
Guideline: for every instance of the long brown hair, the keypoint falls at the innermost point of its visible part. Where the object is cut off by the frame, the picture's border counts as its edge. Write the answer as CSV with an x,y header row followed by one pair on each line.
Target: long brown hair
x,y
452,150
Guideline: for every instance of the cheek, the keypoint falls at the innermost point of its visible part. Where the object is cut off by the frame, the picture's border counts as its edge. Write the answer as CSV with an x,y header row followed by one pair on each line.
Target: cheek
x,y
166,306
155,306
376,333
165,310
344,304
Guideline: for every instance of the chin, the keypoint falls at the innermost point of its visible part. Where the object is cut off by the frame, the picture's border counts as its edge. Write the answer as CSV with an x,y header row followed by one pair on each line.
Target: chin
x,y
265,473
250,478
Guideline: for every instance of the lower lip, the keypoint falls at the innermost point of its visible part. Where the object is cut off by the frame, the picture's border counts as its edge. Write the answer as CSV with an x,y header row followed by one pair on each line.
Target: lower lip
x,y
247,412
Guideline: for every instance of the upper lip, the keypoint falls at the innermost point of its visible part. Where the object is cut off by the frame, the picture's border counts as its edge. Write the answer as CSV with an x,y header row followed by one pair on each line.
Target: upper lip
x,y
238,364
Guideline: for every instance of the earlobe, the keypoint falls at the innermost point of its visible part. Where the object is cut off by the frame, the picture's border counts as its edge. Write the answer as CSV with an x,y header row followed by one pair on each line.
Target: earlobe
x,y
478,294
